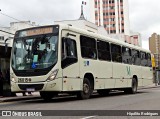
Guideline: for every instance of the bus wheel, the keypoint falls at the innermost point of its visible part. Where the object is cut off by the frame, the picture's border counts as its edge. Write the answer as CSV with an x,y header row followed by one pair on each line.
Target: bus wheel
x,y
134,86
87,90
47,96
133,89
103,92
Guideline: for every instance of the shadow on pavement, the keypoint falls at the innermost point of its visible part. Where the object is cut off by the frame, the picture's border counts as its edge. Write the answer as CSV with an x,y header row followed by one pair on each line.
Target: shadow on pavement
x,y
69,98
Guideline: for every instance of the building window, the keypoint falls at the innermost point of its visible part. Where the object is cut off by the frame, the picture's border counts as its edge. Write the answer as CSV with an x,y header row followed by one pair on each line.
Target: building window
x,y
112,7
111,19
1,37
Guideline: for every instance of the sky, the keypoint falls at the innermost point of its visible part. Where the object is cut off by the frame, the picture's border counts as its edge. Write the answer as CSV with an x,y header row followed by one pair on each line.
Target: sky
x,y
144,14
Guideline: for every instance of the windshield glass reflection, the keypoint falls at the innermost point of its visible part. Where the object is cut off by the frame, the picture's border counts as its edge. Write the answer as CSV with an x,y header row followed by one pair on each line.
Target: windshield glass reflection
x,y
34,52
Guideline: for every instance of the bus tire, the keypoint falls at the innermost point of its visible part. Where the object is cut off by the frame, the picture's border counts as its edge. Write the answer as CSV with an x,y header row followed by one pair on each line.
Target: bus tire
x,y
133,88
47,96
87,90
103,92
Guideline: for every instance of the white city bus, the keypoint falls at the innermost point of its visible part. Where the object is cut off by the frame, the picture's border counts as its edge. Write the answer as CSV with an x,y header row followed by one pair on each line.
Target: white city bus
x,y
61,58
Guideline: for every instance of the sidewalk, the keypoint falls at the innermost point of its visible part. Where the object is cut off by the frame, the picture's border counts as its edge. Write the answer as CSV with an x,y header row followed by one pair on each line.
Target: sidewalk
x,y
35,95
149,86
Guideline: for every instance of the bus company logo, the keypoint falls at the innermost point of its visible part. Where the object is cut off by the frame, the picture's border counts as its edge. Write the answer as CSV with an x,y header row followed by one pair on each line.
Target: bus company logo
x,y
6,113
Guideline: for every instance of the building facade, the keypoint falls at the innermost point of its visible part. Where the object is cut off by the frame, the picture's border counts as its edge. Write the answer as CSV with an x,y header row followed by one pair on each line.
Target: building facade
x,y
113,15
154,47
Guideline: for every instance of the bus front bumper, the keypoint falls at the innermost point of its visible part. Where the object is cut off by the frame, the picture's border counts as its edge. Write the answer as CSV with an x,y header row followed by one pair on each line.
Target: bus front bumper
x,y
55,85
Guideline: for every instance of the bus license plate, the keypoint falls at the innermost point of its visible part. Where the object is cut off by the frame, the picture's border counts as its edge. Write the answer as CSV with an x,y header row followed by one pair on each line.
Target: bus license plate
x,y
30,89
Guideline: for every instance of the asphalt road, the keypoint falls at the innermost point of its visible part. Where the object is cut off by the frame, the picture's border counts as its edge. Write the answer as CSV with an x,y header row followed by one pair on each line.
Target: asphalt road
x,y
97,107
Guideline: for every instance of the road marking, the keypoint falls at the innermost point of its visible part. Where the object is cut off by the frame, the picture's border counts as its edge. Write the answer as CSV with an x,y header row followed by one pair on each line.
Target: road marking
x,y
88,117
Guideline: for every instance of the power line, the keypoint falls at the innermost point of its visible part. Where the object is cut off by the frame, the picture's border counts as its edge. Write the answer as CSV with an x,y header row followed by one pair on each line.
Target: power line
x,y
16,18
9,16
7,32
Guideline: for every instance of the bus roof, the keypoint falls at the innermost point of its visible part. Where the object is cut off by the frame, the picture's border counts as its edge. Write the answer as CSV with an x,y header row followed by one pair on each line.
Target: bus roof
x,y
101,37
93,35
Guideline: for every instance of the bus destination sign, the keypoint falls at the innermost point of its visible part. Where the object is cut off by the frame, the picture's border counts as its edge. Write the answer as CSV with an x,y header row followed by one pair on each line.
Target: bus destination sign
x,y
36,31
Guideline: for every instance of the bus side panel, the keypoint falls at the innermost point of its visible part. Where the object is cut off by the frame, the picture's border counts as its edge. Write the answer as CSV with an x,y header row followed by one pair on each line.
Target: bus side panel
x,y
71,78
147,75
103,74
89,66
119,71
136,70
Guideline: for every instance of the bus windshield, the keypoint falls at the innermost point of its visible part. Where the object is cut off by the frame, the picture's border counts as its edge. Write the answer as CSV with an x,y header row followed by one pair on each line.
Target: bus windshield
x,y
35,52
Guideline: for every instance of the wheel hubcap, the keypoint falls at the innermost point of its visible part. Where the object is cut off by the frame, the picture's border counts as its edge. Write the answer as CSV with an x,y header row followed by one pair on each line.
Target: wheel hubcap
x,y
86,88
134,87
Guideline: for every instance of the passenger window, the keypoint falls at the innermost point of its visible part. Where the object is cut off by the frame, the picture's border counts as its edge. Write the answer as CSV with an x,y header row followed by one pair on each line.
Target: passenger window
x,y
149,60
88,47
116,53
126,55
136,60
144,59
103,50
69,52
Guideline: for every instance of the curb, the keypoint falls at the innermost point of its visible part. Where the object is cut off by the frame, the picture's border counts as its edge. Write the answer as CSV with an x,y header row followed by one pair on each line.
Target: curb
x,y
158,86
19,99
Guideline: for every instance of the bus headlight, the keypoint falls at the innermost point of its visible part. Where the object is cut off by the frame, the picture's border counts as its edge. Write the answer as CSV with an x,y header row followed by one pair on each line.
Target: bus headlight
x,y
13,80
53,75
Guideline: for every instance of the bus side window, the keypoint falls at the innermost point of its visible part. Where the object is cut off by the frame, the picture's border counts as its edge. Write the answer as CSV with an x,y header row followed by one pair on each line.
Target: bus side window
x,y
136,60
149,60
103,50
116,53
88,47
144,58
69,52
126,55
